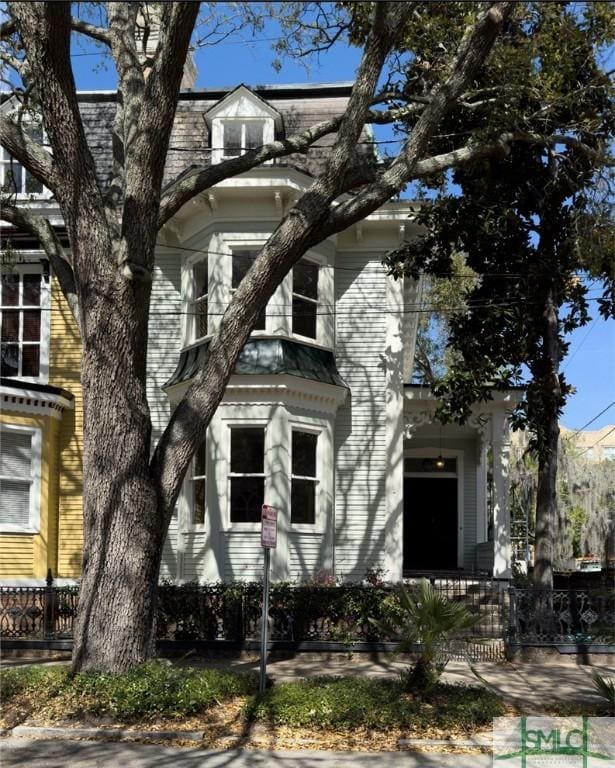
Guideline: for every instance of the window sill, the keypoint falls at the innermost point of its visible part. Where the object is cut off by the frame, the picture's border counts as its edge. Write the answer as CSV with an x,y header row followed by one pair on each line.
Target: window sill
x,y
17,529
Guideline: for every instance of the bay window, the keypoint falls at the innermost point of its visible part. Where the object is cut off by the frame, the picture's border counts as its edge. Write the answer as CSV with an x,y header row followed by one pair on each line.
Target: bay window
x,y
242,261
20,458
247,474
199,304
199,484
304,477
305,298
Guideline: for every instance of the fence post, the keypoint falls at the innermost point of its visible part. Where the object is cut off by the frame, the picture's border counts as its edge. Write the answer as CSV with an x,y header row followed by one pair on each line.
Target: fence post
x,y
49,608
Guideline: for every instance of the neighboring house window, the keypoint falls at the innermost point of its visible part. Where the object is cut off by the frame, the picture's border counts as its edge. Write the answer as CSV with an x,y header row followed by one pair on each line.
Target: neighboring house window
x,y
247,475
199,484
20,306
305,298
199,303
303,477
20,459
241,136
608,452
14,178
589,454
242,261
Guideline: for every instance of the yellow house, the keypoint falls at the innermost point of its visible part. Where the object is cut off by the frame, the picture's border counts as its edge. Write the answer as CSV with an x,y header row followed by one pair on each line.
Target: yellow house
x,y
40,429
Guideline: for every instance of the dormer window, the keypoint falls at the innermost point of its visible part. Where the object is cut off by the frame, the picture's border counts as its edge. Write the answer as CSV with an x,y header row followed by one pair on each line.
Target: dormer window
x,y
240,122
239,137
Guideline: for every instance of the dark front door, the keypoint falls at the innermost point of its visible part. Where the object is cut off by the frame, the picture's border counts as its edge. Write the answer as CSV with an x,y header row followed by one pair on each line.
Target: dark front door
x,y
430,523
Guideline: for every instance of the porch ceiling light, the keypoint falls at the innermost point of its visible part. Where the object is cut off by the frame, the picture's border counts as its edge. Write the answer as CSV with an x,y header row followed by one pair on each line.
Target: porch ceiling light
x,y
440,462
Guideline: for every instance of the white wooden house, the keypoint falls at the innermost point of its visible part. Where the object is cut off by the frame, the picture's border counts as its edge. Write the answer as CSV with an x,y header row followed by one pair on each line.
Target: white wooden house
x,y
318,420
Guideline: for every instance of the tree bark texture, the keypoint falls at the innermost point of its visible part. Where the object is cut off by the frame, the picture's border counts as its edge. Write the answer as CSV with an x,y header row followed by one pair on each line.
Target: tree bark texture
x,y
546,495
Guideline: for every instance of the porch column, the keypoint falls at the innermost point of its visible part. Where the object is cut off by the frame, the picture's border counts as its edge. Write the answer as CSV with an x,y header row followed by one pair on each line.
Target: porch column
x,y
394,422
501,512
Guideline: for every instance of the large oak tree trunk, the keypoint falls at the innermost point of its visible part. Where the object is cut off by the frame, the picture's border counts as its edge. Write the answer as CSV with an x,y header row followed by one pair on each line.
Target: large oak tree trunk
x,y
123,530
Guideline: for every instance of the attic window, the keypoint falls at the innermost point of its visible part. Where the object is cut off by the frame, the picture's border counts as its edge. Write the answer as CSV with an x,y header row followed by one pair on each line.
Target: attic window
x,y
241,136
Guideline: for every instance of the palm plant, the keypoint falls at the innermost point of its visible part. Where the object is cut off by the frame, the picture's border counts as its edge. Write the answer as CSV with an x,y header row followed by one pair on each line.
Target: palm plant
x,y
427,618
605,688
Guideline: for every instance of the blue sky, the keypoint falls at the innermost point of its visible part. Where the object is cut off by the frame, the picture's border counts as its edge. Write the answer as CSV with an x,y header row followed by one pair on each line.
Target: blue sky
x,y
590,366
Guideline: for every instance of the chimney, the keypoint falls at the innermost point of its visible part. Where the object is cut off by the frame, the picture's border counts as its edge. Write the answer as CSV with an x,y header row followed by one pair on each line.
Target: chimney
x,y
147,35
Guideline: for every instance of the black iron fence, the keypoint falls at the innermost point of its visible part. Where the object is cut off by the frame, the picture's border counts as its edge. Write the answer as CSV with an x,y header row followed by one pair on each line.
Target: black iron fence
x,y
347,614
562,617
232,612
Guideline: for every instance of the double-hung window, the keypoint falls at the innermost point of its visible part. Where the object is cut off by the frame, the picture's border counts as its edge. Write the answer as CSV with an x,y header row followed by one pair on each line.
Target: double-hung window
x,y
305,298
20,308
242,261
241,136
199,303
304,477
14,178
247,475
199,484
20,456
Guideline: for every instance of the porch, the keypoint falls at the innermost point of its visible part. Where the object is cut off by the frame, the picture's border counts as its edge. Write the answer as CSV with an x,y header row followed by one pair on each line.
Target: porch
x,y
455,506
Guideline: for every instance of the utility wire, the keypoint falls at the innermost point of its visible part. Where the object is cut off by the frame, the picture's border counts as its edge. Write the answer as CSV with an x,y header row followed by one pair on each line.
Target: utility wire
x,y
604,437
591,421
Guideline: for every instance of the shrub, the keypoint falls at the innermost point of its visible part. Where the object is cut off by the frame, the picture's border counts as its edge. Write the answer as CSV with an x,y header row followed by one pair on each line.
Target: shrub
x,y
427,619
18,680
157,689
350,703
605,688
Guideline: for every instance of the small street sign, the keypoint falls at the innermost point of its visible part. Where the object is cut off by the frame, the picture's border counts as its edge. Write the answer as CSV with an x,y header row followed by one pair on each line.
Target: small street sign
x,y
269,527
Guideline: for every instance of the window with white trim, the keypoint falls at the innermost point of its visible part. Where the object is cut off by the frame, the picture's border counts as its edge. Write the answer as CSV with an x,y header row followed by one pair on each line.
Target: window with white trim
x,y
247,474
242,261
305,298
199,484
199,304
21,302
14,178
241,135
20,458
304,477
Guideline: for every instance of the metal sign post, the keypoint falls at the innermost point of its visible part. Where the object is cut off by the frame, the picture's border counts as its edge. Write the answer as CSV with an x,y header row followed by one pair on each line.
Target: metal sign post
x,y
269,538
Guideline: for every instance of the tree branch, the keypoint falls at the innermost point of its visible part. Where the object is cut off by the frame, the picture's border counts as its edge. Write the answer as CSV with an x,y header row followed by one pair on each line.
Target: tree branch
x,y
27,152
472,51
179,192
97,33
41,229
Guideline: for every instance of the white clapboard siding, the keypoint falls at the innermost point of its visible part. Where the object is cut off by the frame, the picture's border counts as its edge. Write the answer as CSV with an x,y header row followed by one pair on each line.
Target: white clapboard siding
x,y
306,555
162,358
196,550
360,437
243,559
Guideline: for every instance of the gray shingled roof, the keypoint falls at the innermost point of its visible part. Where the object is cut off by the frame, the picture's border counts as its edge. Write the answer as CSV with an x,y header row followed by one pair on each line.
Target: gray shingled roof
x,y
300,106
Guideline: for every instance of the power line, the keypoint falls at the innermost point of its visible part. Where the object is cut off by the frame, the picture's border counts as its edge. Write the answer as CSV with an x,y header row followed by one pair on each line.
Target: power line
x,y
583,340
597,441
591,421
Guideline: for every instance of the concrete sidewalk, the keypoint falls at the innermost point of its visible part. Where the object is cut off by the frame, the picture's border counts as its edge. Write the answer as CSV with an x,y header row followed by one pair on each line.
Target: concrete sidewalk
x,y
526,685
15,753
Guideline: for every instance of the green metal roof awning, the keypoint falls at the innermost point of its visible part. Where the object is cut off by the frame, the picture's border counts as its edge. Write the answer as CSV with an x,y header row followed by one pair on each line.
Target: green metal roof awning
x,y
266,356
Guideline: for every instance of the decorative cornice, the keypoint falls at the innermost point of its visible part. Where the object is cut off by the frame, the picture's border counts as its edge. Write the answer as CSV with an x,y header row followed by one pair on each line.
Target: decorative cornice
x,y
33,401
